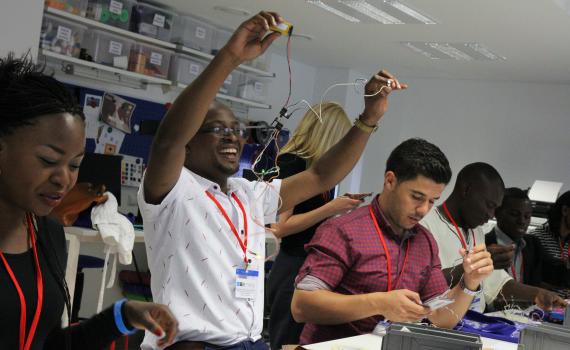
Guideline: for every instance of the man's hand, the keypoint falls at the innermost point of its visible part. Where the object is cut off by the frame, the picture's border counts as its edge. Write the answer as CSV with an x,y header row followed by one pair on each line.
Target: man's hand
x,y
502,255
546,300
376,100
477,265
402,305
341,205
249,40
155,318
359,196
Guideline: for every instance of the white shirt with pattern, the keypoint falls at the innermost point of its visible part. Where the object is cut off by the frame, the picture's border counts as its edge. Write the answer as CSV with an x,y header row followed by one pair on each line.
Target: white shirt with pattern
x,y
449,245
193,255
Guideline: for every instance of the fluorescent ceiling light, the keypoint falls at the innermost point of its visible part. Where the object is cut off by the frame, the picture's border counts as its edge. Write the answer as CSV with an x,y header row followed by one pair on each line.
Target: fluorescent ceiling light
x,y
458,51
371,11
333,10
450,51
411,12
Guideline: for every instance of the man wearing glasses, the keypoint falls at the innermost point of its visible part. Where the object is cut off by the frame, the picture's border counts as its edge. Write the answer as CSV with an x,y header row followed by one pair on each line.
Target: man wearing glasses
x,y
205,231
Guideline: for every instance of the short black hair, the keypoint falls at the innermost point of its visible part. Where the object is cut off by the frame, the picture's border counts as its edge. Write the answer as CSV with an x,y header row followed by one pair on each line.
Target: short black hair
x,y
474,172
555,212
27,93
513,193
417,156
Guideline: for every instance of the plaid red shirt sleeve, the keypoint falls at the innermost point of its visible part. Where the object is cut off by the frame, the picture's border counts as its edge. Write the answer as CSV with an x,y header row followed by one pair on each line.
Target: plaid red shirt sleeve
x,y
436,283
329,256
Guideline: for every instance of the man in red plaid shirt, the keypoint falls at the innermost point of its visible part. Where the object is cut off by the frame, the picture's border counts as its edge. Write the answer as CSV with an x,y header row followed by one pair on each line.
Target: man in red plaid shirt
x,y
377,263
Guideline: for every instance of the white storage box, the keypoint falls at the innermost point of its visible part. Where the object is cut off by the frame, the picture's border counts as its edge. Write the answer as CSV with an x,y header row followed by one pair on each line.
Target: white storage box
x,y
152,21
252,88
261,62
116,13
185,69
108,49
77,7
149,60
221,37
193,33
230,86
61,36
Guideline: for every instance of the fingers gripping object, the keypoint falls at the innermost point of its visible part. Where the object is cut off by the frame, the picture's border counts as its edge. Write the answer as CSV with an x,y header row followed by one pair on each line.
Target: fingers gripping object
x,y
285,28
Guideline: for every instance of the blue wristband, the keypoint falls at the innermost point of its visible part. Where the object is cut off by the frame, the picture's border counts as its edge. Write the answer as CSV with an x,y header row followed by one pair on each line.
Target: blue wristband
x,y
119,318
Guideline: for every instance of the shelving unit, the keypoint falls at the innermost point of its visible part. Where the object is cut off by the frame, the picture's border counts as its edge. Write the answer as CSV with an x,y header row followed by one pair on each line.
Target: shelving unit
x,y
149,40
248,103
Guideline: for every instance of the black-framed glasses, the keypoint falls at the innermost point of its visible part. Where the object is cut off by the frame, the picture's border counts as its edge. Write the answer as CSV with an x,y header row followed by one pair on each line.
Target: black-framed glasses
x,y
238,131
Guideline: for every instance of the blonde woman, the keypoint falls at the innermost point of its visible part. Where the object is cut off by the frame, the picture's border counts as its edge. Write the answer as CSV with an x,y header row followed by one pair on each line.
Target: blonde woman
x,y
296,227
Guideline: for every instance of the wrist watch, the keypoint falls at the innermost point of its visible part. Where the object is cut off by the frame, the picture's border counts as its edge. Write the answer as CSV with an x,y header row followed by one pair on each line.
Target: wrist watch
x,y
467,290
365,127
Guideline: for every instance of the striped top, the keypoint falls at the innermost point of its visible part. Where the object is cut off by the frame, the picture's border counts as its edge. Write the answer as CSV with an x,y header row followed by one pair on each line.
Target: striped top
x,y
555,256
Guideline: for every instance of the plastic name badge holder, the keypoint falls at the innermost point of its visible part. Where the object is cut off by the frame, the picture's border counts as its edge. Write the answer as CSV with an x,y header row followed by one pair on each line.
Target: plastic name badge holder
x,y
408,336
116,13
545,337
61,36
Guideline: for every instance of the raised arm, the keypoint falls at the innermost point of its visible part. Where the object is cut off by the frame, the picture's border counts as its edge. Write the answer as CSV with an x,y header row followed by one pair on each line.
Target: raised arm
x,y
335,164
188,111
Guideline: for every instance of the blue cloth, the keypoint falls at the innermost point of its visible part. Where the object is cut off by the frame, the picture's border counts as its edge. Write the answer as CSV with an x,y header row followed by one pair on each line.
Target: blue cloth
x,y
491,327
244,345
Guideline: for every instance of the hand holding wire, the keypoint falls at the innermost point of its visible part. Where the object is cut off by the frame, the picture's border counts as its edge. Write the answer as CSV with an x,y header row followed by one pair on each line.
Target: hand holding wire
x,y
376,92
477,265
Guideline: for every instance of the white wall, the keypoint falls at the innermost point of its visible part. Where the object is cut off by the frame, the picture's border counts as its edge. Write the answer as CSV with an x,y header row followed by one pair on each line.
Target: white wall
x,y
522,129
20,23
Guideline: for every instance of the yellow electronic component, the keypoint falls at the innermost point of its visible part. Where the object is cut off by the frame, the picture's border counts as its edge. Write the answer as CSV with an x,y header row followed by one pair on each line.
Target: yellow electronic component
x,y
284,28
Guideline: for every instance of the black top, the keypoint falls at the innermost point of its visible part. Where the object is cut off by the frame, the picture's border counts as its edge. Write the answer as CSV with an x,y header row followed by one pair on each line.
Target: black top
x,y
532,261
289,165
556,261
95,333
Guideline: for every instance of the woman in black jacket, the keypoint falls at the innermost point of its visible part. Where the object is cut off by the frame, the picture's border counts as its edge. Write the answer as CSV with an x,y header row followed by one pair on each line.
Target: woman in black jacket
x,y
42,142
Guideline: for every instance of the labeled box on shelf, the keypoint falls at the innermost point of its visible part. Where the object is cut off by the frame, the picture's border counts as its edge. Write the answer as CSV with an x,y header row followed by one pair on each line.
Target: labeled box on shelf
x,y
261,62
230,85
184,69
149,60
77,7
252,88
116,13
221,37
61,36
152,21
108,49
193,33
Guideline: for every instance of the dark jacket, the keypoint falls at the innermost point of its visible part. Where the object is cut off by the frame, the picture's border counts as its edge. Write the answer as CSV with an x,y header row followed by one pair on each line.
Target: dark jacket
x,y
532,262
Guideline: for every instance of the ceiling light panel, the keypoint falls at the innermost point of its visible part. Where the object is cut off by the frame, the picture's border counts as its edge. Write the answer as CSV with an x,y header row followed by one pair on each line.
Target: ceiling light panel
x,y
457,51
374,11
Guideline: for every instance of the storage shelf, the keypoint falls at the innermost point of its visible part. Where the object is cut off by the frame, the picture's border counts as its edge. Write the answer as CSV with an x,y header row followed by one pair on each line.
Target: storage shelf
x,y
145,79
122,32
249,103
153,41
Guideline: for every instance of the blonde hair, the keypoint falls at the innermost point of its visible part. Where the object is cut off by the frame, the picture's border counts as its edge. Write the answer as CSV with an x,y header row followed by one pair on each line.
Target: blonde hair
x,y
312,138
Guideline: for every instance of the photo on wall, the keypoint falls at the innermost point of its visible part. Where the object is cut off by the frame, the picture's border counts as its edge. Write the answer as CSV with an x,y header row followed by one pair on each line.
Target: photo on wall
x,y
117,112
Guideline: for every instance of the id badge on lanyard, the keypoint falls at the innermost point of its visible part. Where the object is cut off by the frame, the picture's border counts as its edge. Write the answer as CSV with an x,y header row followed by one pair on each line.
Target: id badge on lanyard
x,y
247,281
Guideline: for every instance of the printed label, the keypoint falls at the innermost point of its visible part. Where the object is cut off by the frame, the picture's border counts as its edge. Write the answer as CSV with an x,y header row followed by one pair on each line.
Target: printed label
x,y
156,58
159,20
115,48
258,88
115,7
228,80
64,33
200,33
194,69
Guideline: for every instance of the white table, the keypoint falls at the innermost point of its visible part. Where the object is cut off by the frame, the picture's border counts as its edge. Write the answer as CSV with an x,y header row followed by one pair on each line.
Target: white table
x,y
76,236
374,342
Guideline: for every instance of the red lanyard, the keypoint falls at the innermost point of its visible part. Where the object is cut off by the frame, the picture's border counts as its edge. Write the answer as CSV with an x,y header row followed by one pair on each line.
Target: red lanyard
x,y
387,252
459,233
26,343
514,273
242,244
562,250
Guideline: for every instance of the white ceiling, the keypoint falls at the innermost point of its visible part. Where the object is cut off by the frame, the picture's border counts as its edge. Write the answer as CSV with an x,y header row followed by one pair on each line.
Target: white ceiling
x,y
534,36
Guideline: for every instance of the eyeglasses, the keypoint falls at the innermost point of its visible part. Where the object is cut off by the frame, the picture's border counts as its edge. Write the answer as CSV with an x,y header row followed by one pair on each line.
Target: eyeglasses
x,y
238,131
